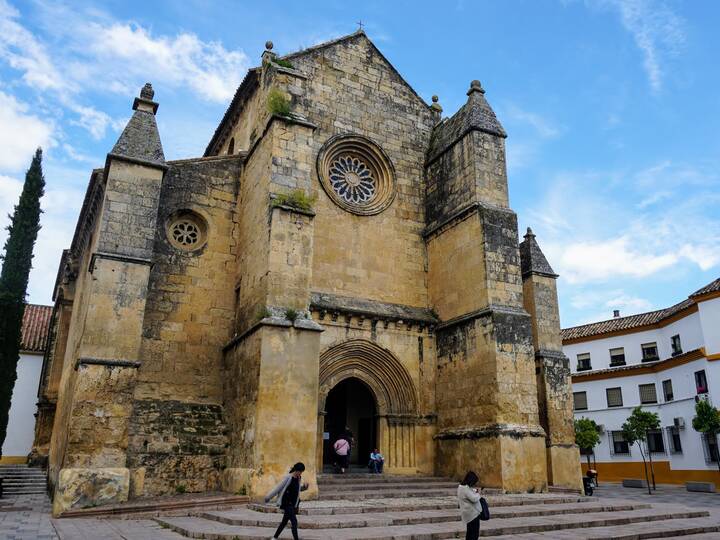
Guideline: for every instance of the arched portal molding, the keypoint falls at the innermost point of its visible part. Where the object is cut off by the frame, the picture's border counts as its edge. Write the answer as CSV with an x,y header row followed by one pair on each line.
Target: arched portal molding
x,y
378,368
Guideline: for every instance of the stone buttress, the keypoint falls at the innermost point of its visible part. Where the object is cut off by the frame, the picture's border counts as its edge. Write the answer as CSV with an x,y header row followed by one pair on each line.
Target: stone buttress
x,y
551,366
271,365
101,363
486,389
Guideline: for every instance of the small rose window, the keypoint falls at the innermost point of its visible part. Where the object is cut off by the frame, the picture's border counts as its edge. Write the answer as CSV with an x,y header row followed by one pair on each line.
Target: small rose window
x,y
187,230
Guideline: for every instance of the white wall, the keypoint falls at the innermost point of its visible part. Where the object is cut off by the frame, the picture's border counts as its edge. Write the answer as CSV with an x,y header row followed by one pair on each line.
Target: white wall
x,y
683,405
689,329
21,426
710,322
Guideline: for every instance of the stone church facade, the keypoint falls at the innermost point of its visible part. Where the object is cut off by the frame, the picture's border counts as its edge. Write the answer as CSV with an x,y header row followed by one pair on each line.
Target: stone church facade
x,y
340,256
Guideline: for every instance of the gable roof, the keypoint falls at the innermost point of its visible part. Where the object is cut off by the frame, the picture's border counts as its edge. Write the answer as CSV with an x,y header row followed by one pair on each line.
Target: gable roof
x,y
35,328
251,79
639,322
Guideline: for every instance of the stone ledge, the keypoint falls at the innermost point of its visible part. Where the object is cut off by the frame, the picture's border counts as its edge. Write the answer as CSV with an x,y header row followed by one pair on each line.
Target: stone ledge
x,y
107,362
515,431
370,309
116,257
484,312
299,323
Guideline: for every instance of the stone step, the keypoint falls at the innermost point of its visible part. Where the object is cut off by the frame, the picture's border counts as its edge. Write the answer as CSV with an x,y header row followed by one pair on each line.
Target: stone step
x,y
251,518
340,507
385,486
398,493
324,479
153,506
700,528
195,527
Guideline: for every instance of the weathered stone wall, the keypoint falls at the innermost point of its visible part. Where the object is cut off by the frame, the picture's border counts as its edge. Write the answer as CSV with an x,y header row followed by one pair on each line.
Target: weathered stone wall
x,y
540,295
253,242
456,257
188,319
82,290
176,445
352,89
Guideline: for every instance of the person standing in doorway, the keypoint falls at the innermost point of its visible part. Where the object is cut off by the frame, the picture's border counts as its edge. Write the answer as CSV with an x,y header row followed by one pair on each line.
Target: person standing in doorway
x,y
288,498
342,450
470,508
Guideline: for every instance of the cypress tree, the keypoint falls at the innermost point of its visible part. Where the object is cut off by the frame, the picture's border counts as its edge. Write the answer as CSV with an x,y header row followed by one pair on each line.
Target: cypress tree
x,y
17,261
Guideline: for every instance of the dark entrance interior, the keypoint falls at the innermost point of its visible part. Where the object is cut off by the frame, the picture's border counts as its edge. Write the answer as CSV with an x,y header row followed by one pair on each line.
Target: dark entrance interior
x,y
350,404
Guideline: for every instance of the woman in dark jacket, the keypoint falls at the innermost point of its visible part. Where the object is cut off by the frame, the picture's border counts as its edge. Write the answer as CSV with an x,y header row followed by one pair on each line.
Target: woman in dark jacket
x,y
288,498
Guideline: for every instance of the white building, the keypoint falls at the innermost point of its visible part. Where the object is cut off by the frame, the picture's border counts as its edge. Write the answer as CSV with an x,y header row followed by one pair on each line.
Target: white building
x,y
21,424
664,360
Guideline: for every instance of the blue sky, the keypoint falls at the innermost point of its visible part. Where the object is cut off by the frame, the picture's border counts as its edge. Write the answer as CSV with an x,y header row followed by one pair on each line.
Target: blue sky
x,y
612,110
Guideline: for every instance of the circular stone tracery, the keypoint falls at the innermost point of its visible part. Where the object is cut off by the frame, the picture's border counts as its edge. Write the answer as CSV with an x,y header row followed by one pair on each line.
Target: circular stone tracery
x,y
186,230
356,174
352,180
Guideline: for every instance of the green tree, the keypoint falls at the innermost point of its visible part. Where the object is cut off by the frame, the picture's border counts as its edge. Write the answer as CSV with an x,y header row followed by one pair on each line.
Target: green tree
x,y
587,436
707,422
17,261
635,430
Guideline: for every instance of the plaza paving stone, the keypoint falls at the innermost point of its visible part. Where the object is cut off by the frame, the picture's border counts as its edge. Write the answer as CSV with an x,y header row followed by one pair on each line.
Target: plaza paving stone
x,y
615,512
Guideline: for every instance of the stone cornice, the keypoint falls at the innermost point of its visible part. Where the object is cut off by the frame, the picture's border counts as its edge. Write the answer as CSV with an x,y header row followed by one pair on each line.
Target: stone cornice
x,y
335,305
484,312
515,431
299,324
107,362
116,257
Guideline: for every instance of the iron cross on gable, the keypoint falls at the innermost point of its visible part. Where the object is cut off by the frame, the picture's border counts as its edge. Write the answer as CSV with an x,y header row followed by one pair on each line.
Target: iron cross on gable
x,y
360,25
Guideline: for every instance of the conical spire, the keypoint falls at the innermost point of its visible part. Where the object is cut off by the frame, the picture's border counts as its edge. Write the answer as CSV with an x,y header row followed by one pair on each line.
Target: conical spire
x,y
532,259
140,140
476,114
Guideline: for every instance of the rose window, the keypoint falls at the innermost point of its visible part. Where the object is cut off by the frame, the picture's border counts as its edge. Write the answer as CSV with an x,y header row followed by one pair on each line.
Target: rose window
x,y
356,174
352,180
186,233
186,230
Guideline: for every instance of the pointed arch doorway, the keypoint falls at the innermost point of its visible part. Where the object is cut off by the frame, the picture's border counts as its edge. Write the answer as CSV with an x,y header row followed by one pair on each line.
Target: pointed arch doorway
x,y
350,405
377,382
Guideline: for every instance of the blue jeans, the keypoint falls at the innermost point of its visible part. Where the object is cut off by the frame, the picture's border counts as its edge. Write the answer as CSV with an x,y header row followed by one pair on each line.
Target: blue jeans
x,y
376,466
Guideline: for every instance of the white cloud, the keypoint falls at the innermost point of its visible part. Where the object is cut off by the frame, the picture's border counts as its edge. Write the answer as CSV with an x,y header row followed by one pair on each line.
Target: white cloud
x,y
600,260
20,134
92,52
599,304
133,54
656,30
611,227
24,52
542,126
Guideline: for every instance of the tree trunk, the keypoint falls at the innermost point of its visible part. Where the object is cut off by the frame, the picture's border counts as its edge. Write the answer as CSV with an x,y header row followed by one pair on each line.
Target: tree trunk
x,y
652,469
642,455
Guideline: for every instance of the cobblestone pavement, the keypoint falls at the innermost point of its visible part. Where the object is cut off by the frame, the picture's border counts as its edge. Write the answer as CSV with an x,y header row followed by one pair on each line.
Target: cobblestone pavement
x,y
26,517
663,494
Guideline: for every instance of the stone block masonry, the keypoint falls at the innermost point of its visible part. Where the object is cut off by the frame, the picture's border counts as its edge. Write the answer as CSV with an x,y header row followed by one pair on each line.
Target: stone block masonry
x,y
347,260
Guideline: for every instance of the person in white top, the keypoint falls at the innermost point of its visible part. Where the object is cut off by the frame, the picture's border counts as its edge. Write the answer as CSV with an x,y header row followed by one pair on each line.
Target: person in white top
x,y
470,508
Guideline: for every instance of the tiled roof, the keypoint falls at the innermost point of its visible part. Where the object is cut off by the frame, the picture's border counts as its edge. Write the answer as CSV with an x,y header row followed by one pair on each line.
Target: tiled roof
x,y
635,321
35,328
710,287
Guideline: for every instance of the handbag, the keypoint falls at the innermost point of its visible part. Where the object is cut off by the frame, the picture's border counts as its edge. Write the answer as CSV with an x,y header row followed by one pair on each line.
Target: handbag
x,y
485,513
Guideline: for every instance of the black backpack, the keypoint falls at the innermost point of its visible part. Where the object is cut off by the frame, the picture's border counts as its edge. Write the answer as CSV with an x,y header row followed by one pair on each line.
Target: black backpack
x,y
485,514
